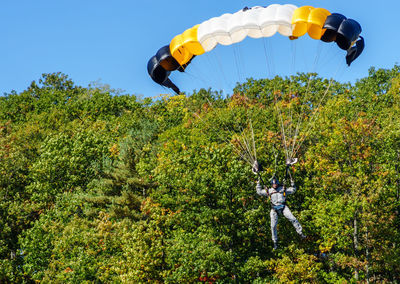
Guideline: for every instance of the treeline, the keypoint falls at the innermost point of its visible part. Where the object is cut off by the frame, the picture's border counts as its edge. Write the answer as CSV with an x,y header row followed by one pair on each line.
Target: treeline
x,y
104,187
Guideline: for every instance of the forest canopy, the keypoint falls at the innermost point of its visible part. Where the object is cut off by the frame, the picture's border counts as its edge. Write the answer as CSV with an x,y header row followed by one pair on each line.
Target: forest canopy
x,y
101,186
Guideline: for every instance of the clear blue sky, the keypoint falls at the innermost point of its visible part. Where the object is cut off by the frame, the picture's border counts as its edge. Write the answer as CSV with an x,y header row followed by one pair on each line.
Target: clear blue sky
x,y
111,42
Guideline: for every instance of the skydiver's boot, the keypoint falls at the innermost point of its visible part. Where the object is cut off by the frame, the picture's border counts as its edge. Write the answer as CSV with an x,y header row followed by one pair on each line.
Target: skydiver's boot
x,y
275,245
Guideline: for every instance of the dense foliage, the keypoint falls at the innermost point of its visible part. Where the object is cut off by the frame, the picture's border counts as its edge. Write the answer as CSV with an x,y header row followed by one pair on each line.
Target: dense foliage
x,y
99,186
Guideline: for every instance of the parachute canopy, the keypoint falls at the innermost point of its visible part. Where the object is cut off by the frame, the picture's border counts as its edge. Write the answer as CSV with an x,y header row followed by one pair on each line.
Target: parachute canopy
x,y
256,22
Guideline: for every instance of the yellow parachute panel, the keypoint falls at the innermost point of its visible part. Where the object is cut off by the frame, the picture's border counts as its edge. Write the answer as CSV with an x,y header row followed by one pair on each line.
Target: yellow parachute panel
x,y
184,46
191,42
316,21
300,21
308,19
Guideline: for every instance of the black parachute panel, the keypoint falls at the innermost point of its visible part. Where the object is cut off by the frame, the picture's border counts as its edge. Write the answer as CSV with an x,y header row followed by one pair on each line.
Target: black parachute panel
x,y
159,74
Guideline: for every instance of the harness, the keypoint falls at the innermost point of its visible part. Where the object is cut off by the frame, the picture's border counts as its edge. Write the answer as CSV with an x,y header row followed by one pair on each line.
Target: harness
x,y
280,207
284,192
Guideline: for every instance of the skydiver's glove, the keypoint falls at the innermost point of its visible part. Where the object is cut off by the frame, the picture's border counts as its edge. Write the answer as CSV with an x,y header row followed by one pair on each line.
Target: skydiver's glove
x,y
255,168
291,161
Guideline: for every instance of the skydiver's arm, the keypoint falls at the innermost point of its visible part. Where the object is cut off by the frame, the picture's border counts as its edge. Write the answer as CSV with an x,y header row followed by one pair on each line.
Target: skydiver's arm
x,y
292,188
260,190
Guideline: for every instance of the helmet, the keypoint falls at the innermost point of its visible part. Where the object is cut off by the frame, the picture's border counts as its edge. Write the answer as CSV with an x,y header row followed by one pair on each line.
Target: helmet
x,y
274,180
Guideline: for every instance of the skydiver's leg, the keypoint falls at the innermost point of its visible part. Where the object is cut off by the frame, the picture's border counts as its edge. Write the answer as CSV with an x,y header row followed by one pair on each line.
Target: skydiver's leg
x,y
274,223
288,214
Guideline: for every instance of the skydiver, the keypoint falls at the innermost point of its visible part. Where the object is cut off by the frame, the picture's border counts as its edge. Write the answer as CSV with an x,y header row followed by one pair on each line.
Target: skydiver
x,y
277,194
